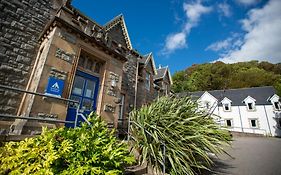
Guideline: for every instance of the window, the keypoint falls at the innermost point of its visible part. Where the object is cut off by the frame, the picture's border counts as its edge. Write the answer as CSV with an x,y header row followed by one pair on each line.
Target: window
x,y
228,122
81,61
226,107
147,81
165,88
89,63
250,106
121,107
207,104
277,105
253,123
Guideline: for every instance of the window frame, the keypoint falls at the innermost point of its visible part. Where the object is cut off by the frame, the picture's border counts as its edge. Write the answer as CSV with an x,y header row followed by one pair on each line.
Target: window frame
x,y
147,80
224,107
122,107
231,122
257,123
253,106
278,104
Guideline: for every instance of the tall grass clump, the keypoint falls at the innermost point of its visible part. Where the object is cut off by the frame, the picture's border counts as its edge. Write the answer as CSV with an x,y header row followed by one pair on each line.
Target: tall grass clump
x,y
189,135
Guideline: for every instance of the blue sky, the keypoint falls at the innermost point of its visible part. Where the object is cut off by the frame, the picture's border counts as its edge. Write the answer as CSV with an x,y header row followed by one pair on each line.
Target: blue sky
x,y
185,32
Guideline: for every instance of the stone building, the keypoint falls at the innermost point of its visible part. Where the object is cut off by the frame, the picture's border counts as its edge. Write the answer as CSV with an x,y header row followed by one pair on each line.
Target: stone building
x,y
72,56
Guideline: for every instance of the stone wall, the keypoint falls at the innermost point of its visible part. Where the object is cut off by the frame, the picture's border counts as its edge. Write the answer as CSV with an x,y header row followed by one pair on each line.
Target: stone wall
x,y
128,83
21,23
145,96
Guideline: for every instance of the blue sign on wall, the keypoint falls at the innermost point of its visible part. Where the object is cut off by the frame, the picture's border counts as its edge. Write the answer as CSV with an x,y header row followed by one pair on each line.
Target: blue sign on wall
x,y
54,87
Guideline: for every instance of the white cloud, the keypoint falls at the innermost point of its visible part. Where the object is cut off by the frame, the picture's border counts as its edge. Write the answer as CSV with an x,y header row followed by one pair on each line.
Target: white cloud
x,y
224,9
262,39
193,12
231,43
175,41
247,2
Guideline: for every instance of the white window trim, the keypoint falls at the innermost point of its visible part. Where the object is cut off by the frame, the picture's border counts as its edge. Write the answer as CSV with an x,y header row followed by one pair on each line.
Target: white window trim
x,y
231,121
229,107
279,105
253,106
257,123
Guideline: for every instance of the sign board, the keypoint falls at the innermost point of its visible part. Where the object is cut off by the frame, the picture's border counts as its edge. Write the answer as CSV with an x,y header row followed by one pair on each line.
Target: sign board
x,y
55,87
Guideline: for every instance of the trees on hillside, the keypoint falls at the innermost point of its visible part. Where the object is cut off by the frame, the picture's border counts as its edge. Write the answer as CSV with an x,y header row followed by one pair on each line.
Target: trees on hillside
x,y
218,75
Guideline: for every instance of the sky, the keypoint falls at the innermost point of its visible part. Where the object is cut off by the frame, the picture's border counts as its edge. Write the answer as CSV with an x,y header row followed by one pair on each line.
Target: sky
x,y
181,33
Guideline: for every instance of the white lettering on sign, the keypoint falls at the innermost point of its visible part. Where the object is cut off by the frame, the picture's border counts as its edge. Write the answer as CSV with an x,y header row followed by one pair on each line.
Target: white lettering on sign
x,y
55,87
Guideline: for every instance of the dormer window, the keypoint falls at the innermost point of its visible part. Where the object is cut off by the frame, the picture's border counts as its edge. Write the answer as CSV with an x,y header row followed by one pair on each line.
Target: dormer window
x,y
226,103
226,107
250,103
274,99
250,106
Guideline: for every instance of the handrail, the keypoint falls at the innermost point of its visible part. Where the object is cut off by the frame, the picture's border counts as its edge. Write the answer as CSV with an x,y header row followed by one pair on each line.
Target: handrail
x,y
35,118
36,93
40,118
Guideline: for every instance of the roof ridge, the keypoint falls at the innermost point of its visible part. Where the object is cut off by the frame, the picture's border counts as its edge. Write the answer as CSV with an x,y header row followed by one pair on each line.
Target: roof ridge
x,y
162,68
239,88
113,19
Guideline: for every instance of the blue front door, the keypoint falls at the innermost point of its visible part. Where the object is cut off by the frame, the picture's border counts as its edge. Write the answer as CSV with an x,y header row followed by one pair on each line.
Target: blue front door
x,y
85,90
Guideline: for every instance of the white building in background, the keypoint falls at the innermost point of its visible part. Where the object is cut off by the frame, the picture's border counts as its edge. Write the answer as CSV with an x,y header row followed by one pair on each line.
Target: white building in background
x,y
250,110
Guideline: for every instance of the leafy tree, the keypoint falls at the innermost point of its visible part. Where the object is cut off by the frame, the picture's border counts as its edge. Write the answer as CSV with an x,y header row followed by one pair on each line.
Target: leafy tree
x,y
218,75
84,150
189,136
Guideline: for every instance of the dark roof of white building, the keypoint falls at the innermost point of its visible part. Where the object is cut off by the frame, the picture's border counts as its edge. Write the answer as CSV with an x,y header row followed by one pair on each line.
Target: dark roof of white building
x,y
260,94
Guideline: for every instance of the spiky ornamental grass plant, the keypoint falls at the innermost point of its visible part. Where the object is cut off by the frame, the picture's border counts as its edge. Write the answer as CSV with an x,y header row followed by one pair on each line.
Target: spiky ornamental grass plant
x,y
188,134
78,151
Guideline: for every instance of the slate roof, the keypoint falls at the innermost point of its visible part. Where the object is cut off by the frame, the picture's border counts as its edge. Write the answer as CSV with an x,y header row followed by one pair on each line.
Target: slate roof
x,y
143,59
160,73
260,94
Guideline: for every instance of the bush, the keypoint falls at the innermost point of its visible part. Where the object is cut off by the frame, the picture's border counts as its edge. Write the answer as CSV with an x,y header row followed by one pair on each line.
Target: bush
x,y
84,150
189,135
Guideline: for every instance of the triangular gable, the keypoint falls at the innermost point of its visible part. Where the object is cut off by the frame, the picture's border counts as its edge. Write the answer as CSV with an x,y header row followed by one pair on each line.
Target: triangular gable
x,y
117,25
225,99
169,75
249,98
274,97
149,58
167,72
207,93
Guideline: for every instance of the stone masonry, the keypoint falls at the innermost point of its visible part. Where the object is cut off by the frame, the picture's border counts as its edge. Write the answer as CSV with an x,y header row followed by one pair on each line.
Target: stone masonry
x,y
21,23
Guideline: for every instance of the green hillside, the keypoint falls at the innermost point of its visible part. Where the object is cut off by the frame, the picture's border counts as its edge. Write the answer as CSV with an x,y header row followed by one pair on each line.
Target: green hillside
x,y
218,75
